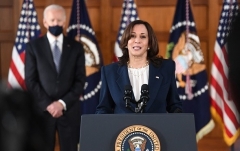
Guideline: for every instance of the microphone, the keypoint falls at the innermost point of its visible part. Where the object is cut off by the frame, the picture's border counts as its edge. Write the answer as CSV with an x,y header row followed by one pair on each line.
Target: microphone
x,y
128,95
144,97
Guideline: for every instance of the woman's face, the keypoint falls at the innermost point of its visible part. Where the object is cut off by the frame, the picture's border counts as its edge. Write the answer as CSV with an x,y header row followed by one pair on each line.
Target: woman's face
x,y
138,43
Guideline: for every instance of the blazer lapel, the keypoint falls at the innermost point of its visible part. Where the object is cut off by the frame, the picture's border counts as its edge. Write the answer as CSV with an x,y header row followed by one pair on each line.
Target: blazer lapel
x,y
66,49
47,51
154,82
123,78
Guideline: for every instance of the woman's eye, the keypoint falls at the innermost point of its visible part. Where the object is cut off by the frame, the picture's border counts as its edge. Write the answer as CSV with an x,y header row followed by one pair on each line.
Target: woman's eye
x,y
132,36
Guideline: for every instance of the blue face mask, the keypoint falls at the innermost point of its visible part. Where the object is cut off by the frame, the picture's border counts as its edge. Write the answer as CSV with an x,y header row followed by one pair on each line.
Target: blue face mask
x,y
55,30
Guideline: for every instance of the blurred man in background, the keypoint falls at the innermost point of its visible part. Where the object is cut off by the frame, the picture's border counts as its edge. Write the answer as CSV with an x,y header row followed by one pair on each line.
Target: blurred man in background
x,y
20,128
55,75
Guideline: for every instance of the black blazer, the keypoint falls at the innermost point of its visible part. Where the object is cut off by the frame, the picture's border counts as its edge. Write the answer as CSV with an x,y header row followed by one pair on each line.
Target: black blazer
x,y
41,76
162,89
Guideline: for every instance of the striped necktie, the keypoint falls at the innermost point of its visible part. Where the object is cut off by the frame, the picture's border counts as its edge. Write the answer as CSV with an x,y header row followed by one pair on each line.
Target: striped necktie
x,y
56,55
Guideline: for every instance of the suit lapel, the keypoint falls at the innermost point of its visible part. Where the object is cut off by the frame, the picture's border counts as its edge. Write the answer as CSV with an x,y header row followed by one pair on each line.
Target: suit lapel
x,y
154,82
65,53
47,52
123,78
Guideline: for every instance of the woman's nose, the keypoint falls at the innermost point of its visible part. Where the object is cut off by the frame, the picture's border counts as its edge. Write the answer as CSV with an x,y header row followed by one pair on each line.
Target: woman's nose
x,y
137,40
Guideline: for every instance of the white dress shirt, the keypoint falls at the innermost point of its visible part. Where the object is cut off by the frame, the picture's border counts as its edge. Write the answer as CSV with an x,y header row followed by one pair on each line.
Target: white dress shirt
x,y
138,77
52,40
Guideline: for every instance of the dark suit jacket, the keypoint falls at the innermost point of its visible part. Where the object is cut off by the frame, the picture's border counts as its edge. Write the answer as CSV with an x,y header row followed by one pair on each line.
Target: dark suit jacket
x,y
162,89
233,49
42,79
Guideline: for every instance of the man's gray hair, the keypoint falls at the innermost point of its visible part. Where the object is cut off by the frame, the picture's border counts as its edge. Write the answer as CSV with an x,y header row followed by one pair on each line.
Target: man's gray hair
x,y
54,7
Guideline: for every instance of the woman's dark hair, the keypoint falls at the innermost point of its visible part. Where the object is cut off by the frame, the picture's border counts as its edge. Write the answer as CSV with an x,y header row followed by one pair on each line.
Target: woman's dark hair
x,y
152,53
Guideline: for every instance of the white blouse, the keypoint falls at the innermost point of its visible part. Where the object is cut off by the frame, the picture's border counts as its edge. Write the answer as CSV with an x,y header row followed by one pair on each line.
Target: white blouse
x,y
138,77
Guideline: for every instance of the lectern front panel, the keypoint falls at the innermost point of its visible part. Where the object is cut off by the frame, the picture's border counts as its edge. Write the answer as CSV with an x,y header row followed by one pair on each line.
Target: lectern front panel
x,y
176,131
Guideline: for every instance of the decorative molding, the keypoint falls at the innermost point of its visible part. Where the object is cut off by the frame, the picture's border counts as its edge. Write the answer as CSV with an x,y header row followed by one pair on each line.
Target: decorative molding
x,y
8,3
92,3
41,3
155,3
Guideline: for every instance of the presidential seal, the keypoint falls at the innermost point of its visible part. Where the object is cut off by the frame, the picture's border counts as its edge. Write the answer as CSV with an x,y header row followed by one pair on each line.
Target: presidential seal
x,y
137,138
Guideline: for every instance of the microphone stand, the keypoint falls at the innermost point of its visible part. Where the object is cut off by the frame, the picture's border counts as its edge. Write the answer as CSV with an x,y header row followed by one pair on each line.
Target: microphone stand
x,y
129,106
141,104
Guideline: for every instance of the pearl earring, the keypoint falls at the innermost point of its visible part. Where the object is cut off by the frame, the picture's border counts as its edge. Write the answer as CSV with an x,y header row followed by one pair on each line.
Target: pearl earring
x,y
148,48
